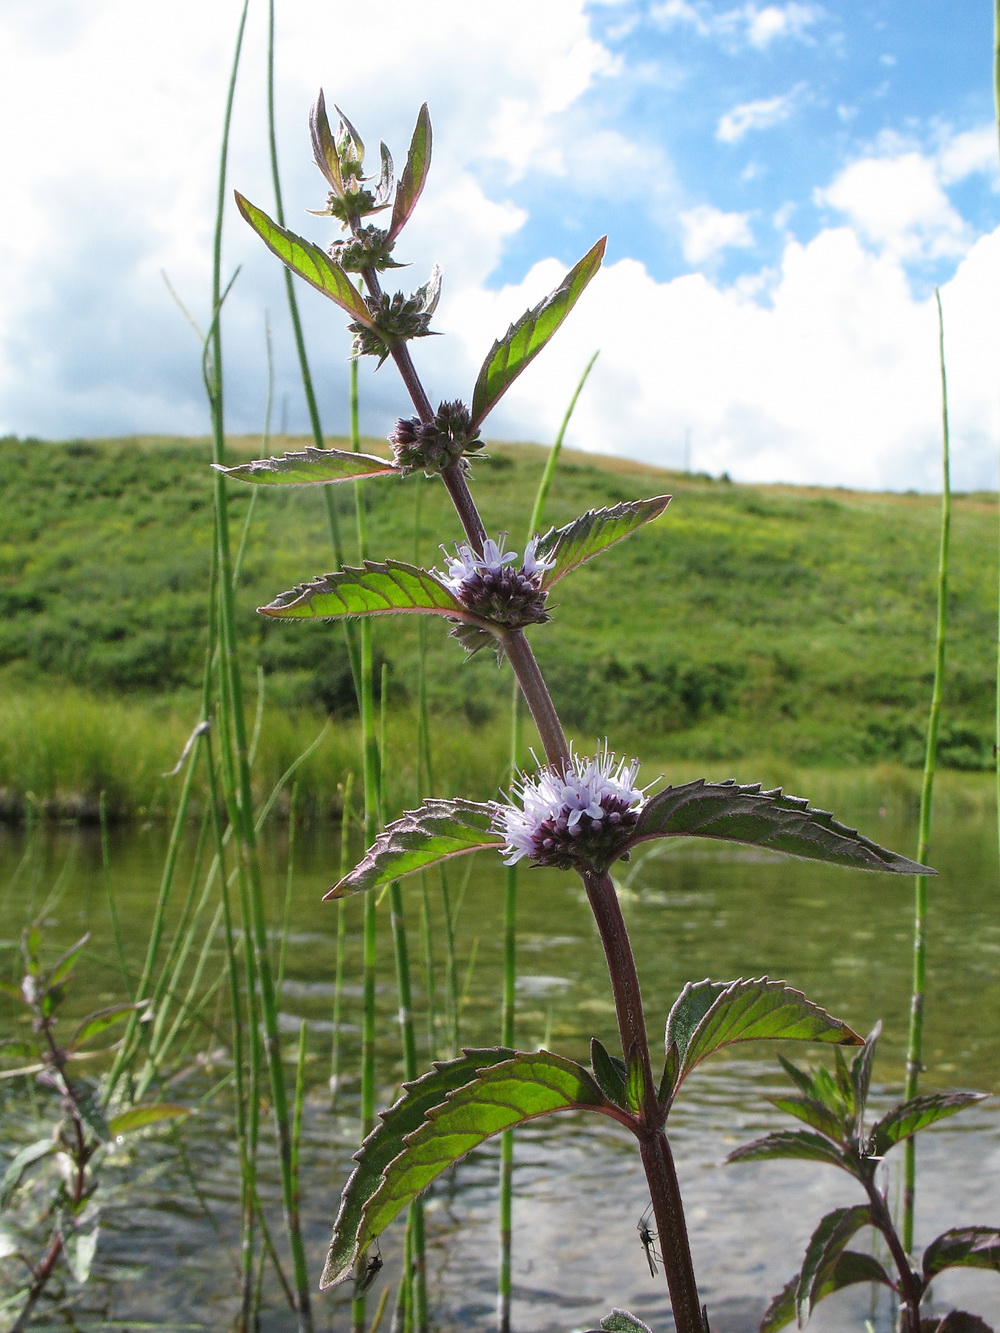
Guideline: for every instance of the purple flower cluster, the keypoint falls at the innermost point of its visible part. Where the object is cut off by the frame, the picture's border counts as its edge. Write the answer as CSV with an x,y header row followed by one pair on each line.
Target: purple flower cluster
x,y
575,817
492,586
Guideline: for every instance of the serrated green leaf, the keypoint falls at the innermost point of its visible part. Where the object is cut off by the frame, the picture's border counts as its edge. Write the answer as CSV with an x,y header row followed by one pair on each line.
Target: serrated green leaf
x,y
309,467
19,1164
386,1141
440,1118
710,1015
525,339
851,1268
308,261
102,1019
824,1251
812,1112
594,532
963,1247
609,1072
65,964
411,182
620,1321
770,819
907,1118
799,1077
376,589
420,838
801,1144
138,1117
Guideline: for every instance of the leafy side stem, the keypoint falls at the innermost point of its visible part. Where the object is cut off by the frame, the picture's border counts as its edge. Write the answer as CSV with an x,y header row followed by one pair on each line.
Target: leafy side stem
x,y
909,1284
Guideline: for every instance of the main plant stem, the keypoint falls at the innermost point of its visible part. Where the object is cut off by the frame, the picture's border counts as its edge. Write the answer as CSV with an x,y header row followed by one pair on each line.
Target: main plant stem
x,y
657,1159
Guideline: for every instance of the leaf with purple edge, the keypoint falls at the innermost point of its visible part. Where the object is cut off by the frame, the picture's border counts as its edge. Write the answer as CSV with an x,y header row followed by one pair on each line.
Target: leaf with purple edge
x,y
310,467
411,182
420,838
592,533
908,1118
963,1247
308,261
493,1098
746,814
378,588
527,336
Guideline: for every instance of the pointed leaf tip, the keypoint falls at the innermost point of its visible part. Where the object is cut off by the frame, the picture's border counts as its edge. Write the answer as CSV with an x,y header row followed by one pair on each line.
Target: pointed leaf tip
x,y
527,336
747,814
421,838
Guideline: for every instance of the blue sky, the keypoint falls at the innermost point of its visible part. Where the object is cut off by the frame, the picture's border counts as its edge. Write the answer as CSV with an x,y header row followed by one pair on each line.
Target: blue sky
x,y
782,183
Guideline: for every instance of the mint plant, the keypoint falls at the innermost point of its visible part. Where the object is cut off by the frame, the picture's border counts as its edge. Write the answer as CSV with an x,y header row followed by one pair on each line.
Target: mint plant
x,y
834,1107
575,812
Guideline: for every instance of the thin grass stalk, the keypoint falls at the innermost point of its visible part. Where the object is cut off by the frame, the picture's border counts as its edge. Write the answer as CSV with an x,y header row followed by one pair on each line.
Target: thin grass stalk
x,y
236,766
286,914
338,968
109,892
996,726
550,463
914,1048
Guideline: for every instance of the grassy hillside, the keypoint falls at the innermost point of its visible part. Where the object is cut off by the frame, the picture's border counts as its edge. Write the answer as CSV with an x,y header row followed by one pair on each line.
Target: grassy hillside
x,y
748,620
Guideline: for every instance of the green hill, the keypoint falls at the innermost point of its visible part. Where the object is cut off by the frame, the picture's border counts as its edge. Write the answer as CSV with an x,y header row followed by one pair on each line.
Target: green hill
x,y
747,620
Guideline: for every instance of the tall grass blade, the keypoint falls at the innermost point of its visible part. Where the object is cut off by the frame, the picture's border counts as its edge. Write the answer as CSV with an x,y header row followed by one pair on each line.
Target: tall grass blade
x,y
915,1042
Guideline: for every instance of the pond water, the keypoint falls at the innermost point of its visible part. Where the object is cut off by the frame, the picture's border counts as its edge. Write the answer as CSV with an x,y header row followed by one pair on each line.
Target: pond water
x,y
702,909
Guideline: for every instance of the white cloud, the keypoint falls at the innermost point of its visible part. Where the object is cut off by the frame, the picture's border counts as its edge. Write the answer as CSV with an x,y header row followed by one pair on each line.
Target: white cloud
x,y
898,203
759,115
709,230
961,155
744,25
833,380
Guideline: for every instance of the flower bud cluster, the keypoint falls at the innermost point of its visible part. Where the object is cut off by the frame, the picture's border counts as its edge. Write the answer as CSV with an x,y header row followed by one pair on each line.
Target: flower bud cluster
x,y
369,247
573,818
397,319
491,587
434,445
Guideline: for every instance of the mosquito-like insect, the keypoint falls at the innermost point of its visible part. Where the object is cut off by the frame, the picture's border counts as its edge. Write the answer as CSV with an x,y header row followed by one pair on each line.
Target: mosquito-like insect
x,y
367,1275
647,1236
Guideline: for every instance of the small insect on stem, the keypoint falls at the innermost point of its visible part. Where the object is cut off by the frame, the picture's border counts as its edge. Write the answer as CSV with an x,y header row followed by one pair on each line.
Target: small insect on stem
x,y
647,1236
366,1274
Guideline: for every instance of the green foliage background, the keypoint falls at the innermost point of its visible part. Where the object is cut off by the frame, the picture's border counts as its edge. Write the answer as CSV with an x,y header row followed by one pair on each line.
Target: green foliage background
x,y
748,620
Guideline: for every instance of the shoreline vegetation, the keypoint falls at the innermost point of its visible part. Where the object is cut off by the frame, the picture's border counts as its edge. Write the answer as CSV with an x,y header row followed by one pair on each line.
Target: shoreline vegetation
x,y
792,632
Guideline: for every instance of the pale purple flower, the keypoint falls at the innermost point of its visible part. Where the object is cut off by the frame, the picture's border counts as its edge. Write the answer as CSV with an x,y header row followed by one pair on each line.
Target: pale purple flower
x,y
574,816
494,586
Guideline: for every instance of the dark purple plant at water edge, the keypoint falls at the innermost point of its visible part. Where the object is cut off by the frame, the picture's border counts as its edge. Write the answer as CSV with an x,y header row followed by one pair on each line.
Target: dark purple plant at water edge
x,y
575,812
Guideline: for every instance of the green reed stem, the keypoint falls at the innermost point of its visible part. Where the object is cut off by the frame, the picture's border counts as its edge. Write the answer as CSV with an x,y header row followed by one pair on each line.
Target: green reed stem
x,y
996,729
915,1042
236,758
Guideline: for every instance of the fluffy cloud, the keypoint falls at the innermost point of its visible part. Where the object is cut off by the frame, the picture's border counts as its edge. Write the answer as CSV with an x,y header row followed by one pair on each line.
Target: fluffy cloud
x,y
708,230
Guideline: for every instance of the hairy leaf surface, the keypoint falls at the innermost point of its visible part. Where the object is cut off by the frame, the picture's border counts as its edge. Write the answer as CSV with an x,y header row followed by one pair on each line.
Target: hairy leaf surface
x,y
708,1015
420,838
594,532
440,1118
796,1143
308,261
909,1117
525,339
823,1252
769,819
309,467
963,1247
851,1267
411,183
377,588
